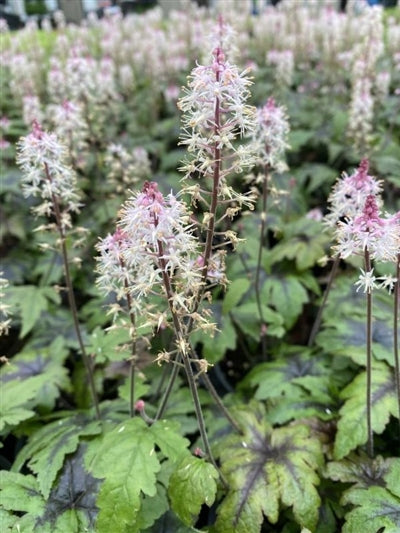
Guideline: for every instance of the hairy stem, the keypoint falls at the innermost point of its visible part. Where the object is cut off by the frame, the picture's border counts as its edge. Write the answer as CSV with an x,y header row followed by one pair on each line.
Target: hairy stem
x,y
370,436
71,298
318,319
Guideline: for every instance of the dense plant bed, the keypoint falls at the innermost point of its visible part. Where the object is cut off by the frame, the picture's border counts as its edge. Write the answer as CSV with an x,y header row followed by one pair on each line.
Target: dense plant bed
x,y
200,274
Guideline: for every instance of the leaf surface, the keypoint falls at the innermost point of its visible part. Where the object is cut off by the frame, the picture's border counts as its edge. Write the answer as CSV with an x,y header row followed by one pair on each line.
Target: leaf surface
x,y
265,468
128,462
47,448
191,485
352,425
15,396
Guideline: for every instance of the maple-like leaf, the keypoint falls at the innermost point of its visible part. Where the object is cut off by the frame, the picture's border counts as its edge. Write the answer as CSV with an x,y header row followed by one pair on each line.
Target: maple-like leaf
x,y
352,425
128,462
47,448
191,485
267,468
375,499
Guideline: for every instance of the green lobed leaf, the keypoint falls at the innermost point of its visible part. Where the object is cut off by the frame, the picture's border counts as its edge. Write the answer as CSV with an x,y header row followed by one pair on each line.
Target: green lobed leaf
x,y
247,318
46,362
191,485
48,447
275,378
71,505
377,508
128,461
104,344
32,301
375,494
266,467
361,470
20,493
352,425
15,396
287,295
236,290
214,348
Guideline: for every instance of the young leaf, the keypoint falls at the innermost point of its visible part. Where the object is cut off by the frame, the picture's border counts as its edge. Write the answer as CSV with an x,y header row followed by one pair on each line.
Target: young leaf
x,y
264,467
192,484
49,445
352,425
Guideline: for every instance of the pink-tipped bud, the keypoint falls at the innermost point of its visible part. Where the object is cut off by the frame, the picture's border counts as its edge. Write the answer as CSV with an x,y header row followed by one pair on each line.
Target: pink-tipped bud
x,y
37,130
198,452
139,406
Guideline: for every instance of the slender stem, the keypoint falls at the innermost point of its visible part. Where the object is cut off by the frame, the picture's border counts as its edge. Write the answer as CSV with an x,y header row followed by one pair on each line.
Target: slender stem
x,y
168,390
182,350
259,258
133,346
318,319
215,395
71,298
207,249
396,332
370,441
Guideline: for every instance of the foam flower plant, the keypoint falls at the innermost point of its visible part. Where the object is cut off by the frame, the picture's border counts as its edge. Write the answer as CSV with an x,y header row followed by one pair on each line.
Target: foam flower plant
x,y
46,174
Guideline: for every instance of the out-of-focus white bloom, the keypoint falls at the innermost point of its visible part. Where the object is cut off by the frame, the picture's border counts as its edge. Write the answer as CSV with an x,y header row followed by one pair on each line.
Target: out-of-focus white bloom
x,y
284,65
361,115
5,309
272,134
31,110
42,159
3,26
126,168
382,84
69,124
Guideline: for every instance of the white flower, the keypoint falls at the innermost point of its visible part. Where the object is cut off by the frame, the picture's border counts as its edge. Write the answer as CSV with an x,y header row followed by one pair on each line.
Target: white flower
x,y
366,281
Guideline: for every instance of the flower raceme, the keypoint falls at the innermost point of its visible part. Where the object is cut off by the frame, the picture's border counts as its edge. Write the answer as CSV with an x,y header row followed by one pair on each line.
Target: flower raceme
x,y
368,231
154,238
349,194
215,114
43,161
271,134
